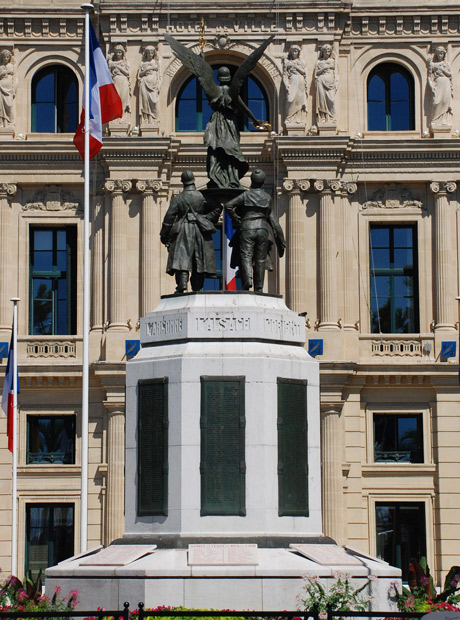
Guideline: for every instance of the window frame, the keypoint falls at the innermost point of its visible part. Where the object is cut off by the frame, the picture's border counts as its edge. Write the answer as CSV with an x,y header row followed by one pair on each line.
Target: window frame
x,y
384,65
59,69
400,416
52,417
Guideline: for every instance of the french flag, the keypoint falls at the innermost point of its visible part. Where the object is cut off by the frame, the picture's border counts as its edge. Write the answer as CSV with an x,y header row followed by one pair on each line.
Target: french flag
x,y
230,272
104,101
7,395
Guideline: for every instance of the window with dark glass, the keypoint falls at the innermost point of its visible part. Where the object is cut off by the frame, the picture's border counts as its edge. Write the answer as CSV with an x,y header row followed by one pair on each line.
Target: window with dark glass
x,y
390,99
54,100
52,280
398,438
401,533
49,535
394,281
50,439
193,111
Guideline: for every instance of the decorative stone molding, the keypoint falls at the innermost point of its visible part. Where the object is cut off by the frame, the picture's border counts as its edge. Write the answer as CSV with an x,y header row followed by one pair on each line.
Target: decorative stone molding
x,y
290,185
8,189
441,187
51,348
335,185
396,348
117,186
42,27
392,196
53,198
397,25
149,185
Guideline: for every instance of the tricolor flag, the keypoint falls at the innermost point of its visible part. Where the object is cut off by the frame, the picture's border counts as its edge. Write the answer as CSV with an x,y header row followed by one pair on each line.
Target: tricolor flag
x,y
229,272
104,101
7,395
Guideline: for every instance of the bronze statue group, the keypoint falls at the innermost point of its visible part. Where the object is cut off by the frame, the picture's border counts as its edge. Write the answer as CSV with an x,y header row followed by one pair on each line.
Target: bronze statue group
x,y
192,216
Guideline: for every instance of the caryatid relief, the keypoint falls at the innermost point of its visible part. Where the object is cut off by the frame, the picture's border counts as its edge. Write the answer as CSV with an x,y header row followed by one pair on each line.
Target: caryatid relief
x,y
326,85
149,81
295,83
119,69
440,83
8,84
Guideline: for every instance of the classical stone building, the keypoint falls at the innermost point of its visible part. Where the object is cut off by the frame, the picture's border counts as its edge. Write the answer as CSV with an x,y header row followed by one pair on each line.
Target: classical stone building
x,y
362,164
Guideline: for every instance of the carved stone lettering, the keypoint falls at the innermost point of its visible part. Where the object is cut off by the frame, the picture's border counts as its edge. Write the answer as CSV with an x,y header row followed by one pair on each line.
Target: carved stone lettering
x,y
223,323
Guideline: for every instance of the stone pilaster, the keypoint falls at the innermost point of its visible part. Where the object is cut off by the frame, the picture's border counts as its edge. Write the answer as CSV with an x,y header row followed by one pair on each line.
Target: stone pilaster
x,y
296,289
7,191
117,253
350,259
328,307
150,282
115,470
97,279
445,281
331,474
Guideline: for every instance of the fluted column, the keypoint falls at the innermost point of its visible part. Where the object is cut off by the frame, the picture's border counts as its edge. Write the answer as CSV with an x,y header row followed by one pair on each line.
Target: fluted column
x,y
328,307
117,256
350,260
331,474
115,470
97,297
445,307
150,283
7,191
296,288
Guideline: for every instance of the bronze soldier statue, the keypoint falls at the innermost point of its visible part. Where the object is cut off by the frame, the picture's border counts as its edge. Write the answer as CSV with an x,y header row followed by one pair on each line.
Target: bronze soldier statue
x,y
256,227
187,232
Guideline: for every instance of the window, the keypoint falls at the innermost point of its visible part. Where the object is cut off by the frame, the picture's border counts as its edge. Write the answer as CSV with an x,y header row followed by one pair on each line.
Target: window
x,y
193,111
401,533
49,535
390,99
50,439
394,282
52,281
398,437
54,100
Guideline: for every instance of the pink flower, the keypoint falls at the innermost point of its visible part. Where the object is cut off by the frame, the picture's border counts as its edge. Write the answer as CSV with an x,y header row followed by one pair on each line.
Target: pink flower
x,y
73,593
58,589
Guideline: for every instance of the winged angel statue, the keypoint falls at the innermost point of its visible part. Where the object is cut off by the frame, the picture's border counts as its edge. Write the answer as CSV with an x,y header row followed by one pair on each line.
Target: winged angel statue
x,y
225,161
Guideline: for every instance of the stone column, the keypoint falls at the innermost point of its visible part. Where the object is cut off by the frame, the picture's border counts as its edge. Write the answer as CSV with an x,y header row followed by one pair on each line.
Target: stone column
x,y
115,470
445,306
331,474
150,283
117,254
7,191
350,259
97,297
328,307
296,286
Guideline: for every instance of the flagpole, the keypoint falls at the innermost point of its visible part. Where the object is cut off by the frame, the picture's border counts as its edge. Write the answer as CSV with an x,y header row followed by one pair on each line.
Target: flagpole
x,y
224,251
86,295
14,493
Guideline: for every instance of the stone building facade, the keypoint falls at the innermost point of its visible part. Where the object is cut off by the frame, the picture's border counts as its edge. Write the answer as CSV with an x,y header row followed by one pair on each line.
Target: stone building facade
x,y
362,164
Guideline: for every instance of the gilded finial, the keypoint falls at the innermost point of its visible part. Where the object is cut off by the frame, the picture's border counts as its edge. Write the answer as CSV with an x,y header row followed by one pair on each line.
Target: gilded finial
x,y
202,39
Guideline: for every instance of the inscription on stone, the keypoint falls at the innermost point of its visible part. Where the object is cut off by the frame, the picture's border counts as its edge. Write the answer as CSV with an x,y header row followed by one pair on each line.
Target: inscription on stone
x,y
222,446
118,555
164,326
327,555
218,555
223,323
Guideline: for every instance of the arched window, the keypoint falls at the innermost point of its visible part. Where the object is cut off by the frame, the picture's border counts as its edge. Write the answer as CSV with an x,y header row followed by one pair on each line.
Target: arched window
x,y
193,111
390,99
54,100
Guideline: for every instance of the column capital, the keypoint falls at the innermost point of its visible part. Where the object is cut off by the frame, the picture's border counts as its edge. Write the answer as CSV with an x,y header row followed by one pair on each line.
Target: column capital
x,y
331,408
149,185
443,187
117,186
328,185
8,189
296,185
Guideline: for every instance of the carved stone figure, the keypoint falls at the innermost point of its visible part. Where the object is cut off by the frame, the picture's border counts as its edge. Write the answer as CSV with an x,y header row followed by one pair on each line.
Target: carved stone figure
x,y
187,232
149,80
119,69
440,83
256,227
295,83
225,161
326,86
8,83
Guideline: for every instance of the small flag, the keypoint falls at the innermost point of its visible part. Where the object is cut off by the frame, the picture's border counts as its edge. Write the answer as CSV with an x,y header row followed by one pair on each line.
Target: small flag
x,y
104,101
7,395
230,272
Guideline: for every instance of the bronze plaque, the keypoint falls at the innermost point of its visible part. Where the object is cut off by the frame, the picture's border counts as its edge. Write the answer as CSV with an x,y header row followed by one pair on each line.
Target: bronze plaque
x,y
152,444
223,467
292,448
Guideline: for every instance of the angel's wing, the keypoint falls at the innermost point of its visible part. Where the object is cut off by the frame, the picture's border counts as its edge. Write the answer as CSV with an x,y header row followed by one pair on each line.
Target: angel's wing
x,y
197,64
246,67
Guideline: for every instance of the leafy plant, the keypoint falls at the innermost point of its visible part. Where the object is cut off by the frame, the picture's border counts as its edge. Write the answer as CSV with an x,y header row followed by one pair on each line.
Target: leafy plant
x,y
342,595
28,596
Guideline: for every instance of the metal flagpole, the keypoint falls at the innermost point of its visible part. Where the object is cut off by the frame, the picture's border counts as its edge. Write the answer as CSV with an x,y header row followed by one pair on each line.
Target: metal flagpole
x,y
14,521
86,294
